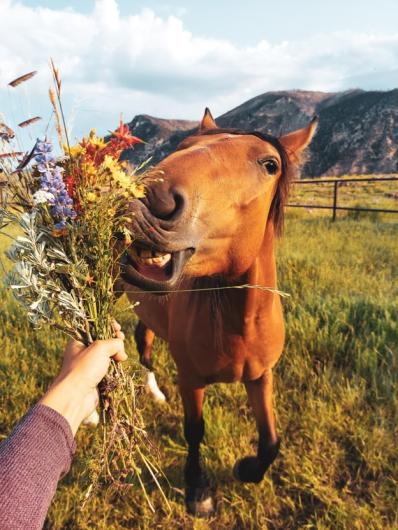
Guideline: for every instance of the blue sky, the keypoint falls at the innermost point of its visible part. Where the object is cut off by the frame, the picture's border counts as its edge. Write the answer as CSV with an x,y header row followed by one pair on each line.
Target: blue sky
x,y
173,58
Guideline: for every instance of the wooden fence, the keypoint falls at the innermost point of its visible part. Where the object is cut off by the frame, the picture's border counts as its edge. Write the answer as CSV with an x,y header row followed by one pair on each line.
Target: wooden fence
x,y
336,183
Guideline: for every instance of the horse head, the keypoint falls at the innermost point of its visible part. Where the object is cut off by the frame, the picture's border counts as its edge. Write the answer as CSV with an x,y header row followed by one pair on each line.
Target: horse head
x,y
208,203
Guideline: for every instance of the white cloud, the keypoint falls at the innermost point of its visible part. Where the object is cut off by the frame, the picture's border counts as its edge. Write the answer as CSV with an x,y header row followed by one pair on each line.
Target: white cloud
x,y
145,63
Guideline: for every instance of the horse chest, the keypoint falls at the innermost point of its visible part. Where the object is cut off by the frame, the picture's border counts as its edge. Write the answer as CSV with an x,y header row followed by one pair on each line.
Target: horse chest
x,y
213,346
208,343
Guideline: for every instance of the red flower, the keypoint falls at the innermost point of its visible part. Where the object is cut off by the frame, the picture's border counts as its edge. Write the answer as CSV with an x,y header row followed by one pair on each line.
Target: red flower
x,y
70,184
123,135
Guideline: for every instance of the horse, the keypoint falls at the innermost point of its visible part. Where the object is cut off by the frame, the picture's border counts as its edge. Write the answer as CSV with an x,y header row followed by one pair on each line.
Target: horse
x,y
208,223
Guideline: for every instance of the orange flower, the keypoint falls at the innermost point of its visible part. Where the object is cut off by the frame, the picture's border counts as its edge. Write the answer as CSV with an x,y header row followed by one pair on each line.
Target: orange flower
x,y
90,279
59,232
122,134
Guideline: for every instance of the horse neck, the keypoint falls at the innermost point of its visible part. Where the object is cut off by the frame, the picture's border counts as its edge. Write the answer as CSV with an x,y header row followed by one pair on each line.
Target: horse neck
x,y
262,272
265,264
236,307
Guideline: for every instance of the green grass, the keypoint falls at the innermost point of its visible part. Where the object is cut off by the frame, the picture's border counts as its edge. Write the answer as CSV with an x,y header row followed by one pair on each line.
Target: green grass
x,y
336,399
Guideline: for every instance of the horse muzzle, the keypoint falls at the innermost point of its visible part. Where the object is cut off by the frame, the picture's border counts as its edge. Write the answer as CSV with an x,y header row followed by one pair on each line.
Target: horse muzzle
x,y
153,270
160,250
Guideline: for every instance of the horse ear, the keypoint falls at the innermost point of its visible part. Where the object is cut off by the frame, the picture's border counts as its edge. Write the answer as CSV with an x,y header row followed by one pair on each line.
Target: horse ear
x,y
296,141
207,122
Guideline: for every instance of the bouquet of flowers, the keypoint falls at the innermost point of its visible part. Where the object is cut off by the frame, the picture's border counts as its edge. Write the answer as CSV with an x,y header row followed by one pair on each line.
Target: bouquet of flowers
x,y
72,217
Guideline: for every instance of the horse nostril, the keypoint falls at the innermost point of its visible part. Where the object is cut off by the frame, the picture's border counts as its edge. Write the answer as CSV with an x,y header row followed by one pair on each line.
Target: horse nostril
x,y
179,204
165,204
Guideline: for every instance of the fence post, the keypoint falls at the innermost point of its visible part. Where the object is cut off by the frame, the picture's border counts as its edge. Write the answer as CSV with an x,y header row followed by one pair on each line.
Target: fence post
x,y
335,200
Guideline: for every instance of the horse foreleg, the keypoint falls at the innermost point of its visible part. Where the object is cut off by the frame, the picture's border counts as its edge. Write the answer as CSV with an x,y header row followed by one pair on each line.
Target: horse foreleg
x,y
198,497
253,468
144,338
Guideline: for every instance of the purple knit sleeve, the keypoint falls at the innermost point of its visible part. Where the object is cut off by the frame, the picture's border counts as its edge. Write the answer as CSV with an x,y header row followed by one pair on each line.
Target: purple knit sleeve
x,y
32,460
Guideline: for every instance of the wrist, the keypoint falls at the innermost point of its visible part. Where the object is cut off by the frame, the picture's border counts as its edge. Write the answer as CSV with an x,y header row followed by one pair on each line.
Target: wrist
x,y
67,397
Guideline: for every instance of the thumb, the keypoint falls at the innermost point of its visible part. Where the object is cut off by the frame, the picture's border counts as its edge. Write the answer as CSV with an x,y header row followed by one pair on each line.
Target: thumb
x,y
113,348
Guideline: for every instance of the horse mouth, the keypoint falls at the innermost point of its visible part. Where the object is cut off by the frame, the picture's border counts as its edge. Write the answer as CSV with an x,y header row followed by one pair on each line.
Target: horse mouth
x,y
151,269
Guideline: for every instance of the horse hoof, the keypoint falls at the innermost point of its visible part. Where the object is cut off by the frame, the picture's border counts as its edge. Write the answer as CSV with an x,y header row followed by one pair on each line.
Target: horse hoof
x,y
200,503
249,469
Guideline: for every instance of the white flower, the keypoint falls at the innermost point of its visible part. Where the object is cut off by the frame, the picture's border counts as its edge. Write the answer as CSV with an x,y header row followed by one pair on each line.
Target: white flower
x,y
42,196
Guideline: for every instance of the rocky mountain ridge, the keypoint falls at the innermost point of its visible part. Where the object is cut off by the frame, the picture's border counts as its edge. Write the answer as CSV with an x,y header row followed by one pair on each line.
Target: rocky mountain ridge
x,y
357,133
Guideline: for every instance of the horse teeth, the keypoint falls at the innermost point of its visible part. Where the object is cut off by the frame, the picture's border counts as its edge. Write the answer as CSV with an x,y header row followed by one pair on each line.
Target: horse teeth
x,y
160,261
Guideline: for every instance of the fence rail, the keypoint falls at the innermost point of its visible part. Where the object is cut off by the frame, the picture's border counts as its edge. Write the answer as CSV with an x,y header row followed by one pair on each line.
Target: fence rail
x,y
336,183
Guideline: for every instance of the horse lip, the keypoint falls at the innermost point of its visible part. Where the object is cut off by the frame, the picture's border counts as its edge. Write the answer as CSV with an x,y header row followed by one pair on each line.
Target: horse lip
x,y
131,275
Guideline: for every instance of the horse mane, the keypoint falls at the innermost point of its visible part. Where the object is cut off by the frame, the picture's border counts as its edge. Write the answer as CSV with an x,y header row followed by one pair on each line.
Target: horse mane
x,y
277,209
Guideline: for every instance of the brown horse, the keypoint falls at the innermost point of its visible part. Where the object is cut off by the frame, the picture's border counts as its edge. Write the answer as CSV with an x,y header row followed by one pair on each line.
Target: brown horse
x,y
210,222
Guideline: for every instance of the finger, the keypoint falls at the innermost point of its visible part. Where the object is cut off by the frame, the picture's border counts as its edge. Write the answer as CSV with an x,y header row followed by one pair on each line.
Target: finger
x,y
120,335
120,357
116,326
112,348
120,354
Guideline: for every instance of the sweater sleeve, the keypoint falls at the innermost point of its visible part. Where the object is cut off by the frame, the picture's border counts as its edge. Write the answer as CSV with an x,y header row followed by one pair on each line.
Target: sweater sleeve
x,y
32,460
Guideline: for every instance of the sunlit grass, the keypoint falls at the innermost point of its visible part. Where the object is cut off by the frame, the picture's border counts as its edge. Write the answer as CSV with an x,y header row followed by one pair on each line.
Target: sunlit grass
x,y
335,399
381,195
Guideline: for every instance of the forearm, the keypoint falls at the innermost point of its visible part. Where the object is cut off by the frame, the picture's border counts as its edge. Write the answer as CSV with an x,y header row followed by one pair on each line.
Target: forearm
x,y
67,397
32,460
41,447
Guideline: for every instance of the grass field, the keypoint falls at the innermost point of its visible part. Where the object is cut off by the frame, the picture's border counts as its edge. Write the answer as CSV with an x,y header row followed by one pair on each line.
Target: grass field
x,y
336,399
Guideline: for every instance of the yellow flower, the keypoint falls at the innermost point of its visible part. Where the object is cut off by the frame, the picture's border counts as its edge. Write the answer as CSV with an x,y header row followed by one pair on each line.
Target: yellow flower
x,y
95,140
89,169
75,151
110,163
91,197
137,190
115,169
122,179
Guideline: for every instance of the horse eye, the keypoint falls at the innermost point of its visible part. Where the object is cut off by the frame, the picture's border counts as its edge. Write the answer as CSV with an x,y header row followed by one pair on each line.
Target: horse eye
x,y
270,165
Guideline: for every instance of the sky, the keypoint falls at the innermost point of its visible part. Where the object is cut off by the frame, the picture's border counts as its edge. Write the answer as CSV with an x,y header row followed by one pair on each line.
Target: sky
x,y
171,59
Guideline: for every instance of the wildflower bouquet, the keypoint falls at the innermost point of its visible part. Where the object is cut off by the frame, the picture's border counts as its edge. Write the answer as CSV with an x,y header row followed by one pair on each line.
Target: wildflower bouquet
x,y
72,217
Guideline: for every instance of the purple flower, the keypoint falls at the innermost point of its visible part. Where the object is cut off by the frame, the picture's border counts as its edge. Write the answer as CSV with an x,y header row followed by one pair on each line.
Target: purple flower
x,y
51,182
44,146
44,158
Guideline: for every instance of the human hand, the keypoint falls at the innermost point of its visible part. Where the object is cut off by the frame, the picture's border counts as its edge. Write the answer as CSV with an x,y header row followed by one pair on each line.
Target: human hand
x,y
74,392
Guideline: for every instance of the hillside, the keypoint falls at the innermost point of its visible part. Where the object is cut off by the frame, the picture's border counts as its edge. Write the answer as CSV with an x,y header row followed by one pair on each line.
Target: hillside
x,y
358,131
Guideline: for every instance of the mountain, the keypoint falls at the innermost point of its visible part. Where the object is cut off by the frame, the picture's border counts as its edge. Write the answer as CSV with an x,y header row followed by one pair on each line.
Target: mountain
x,y
357,133
156,132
